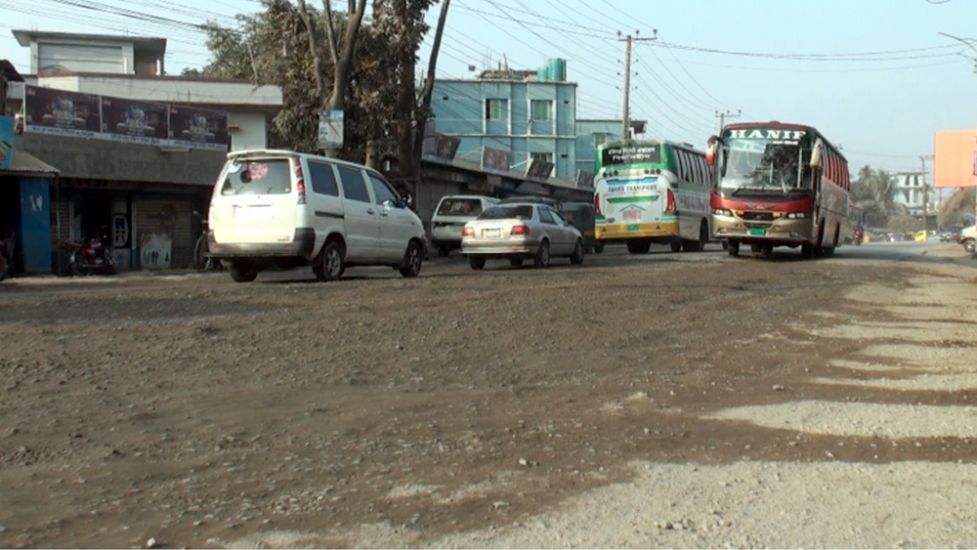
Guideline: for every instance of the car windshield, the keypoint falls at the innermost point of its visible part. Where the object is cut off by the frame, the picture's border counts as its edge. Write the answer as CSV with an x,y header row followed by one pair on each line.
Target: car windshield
x,y
460,207
258,177
522,212
752,165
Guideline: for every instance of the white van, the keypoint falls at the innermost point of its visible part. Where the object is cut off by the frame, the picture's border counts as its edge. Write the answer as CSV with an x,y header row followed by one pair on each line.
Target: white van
x,y
285,209
450,217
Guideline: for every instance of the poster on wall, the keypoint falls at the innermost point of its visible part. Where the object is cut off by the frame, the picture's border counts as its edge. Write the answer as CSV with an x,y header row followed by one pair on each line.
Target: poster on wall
x,y
199,128
134,121
6,142
156,250
120,231
59,112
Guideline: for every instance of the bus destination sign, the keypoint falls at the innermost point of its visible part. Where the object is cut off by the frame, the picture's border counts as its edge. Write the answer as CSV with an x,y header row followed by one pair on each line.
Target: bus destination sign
x,y
631,154
768,134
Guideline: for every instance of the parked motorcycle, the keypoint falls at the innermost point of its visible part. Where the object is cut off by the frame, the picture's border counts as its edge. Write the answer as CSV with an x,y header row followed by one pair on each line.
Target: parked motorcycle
x,y
90,257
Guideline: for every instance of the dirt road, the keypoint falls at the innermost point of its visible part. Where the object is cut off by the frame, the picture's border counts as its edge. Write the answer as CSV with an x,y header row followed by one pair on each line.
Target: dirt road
x,y
661,400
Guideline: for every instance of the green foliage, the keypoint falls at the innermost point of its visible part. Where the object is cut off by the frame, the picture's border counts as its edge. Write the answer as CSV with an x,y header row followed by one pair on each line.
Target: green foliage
x,y
874,190
272,47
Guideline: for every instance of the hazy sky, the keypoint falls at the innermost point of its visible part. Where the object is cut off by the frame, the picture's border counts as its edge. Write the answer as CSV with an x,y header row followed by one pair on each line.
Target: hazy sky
x,y
873,75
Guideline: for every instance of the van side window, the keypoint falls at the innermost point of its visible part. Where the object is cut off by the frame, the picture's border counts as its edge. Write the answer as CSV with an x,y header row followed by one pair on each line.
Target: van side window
x,y
323,179
354,187
382,190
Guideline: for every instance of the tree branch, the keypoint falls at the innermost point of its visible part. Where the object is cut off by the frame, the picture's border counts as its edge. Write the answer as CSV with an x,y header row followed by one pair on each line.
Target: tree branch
x,y
320,83
330,31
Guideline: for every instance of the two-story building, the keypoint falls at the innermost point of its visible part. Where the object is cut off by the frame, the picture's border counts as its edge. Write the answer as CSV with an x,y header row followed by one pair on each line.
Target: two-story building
x,y
142,149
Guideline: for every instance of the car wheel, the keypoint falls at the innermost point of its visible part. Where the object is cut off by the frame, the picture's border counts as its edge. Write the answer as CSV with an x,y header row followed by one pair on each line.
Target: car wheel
x,y
598,248
542,257
807,250
243,272
733,248
515,262
970,245
676,246
330,263
476,262
578,254
413,258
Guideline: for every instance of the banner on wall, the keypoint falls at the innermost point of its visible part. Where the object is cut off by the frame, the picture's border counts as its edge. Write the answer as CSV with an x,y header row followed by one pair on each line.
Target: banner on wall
x,y
134,121
59,112
200,128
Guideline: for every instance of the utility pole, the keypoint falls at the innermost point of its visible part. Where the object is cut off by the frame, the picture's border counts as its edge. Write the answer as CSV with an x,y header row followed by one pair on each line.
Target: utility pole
x,y
926,193
722,116
627,76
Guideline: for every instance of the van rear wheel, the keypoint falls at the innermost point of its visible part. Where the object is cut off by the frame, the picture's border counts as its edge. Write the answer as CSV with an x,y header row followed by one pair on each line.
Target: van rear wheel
x,y
330,263
242,271
413,258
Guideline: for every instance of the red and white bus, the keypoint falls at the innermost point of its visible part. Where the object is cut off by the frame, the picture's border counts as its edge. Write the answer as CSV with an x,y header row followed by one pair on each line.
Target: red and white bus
x,y
777,184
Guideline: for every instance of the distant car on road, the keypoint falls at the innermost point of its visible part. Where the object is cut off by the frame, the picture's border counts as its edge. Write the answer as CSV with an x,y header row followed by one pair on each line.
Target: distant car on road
x,y
520,231
950,234
968,238
451,215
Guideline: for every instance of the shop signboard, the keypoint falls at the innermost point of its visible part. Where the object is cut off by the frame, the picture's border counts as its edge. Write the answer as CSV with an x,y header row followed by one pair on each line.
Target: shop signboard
x,y
59,112
198,128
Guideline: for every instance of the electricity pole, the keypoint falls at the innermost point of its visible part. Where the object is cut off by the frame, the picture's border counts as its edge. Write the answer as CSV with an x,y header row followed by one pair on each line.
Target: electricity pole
x,y
926,192
627,76
722,116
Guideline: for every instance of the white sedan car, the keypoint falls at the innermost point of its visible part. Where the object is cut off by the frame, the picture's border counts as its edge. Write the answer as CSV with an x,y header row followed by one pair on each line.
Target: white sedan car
x,y
520,231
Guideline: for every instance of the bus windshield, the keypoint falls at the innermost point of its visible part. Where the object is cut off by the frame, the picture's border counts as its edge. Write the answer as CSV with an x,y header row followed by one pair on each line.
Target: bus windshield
x,y
764,166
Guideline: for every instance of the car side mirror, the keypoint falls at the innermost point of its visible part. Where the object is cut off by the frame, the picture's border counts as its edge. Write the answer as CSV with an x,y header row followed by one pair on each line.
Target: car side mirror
x,y
387,203
407,201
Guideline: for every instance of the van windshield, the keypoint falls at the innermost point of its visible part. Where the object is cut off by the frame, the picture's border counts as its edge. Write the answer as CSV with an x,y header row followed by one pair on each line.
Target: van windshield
x,y
258,177
460,207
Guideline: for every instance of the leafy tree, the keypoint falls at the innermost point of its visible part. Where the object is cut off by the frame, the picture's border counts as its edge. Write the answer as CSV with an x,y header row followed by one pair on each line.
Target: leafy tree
x,y
875,192
300,48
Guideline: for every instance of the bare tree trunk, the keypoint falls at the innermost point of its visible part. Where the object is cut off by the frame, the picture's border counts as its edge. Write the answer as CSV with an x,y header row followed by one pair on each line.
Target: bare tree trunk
x,y
425,107
314,52
344,60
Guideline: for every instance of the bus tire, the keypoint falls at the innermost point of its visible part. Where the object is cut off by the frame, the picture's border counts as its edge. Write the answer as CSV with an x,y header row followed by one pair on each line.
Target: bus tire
x,y
639,246
703,235
677,246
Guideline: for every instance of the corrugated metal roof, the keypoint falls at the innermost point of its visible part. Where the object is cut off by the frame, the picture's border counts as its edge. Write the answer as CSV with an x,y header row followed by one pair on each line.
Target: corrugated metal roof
x,y
26,164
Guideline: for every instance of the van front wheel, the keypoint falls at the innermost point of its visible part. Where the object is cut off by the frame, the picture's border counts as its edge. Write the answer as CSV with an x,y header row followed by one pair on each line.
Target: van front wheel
x,y
242,271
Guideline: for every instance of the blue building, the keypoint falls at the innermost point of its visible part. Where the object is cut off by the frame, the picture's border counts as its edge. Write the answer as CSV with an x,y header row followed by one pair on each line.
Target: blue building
x,y
529,114
593,132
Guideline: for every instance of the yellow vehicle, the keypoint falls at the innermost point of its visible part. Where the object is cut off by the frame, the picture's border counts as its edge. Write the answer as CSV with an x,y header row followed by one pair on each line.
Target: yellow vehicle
x,y
919,236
